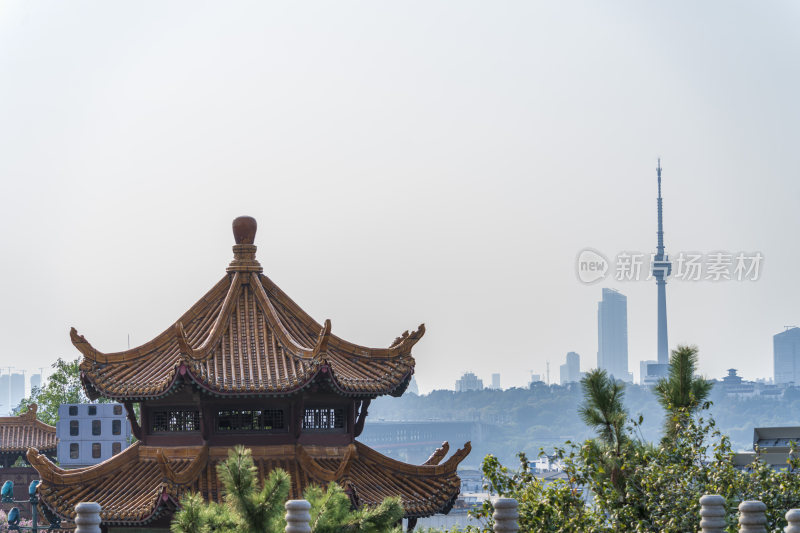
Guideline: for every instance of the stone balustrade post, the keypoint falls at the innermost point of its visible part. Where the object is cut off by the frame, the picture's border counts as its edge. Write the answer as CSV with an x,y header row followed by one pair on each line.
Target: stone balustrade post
x,y
298,517
752,517
505,515
87,517
793,517
712,514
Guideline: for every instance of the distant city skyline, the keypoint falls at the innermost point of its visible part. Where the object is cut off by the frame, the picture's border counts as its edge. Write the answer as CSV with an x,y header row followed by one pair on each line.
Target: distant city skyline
x,y
447,173
14,386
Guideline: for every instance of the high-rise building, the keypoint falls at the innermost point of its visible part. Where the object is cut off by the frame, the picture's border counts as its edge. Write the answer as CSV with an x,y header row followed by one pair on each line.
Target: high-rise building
x,y
786,356
469,381
496,381
17,389
571,370
535,378
5,394
648,375
36,381
612,334
413,388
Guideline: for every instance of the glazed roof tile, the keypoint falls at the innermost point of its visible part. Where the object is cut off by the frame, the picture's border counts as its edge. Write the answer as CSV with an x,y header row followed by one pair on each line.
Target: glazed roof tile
x,y
142,483
247,337
18,433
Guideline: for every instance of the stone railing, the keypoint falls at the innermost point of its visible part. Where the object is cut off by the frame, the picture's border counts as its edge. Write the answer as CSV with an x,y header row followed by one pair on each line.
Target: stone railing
x,y
752,516
298,517
505,516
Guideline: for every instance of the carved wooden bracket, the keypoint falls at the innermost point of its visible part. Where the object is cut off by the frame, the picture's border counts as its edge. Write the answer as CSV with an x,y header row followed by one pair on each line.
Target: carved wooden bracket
x,y
362,416
135,427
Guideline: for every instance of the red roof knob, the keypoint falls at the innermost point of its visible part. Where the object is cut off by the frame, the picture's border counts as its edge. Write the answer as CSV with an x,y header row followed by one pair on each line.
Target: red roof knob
x,y
244,230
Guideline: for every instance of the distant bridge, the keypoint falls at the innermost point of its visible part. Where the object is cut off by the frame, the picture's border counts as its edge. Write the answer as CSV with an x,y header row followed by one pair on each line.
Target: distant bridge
x,y
414,441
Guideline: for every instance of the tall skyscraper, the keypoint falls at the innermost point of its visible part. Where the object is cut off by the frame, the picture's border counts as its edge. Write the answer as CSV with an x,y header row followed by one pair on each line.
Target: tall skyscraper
x,y
612,334
5,394
36,381
662,268
17,389
786,356
496,381
570,372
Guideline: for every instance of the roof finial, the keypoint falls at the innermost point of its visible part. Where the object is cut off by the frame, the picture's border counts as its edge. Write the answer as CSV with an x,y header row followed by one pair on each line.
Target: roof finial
x,y
244,251
244,230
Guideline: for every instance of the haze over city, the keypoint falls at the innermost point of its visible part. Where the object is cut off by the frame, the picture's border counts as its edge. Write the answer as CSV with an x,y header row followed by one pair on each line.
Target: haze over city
x,y
447,173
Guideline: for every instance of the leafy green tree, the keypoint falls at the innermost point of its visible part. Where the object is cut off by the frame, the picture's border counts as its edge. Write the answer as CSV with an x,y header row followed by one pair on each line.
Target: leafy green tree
x,y
663,486
681,394
249,508
558,506
63,386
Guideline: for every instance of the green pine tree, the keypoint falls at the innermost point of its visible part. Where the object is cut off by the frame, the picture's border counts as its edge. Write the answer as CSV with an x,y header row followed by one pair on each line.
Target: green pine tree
x,y
249,508
681,394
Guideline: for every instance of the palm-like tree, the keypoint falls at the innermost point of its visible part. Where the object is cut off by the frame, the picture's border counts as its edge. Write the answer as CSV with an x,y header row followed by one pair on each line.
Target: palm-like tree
x,y
681,393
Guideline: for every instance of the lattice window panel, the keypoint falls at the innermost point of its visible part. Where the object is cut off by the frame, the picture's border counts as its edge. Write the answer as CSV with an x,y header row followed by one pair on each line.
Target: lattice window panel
x,y
176,420
324,418
250,420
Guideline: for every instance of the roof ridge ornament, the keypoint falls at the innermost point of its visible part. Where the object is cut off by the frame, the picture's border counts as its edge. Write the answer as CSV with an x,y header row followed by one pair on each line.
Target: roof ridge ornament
x,y
244,251
438,454
406,341
30,414
83,346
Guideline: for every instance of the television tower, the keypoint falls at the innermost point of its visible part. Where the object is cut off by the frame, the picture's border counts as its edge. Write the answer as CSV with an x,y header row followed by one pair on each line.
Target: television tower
x,y
662,268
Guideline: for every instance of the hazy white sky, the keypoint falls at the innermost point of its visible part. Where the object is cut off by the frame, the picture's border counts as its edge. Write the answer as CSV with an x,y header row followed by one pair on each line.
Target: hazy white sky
x,y
407,162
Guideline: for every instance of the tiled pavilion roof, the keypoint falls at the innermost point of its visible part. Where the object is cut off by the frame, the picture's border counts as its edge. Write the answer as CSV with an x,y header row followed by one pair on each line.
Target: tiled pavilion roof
x,y
247,337
18,433
142,483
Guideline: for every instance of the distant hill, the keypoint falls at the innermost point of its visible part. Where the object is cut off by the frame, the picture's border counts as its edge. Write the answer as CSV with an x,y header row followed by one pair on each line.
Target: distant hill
x,y
544,416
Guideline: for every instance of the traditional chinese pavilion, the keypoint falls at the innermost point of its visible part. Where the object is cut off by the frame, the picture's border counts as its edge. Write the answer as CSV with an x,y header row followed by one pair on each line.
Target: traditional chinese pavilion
x,y
17,434
246,365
